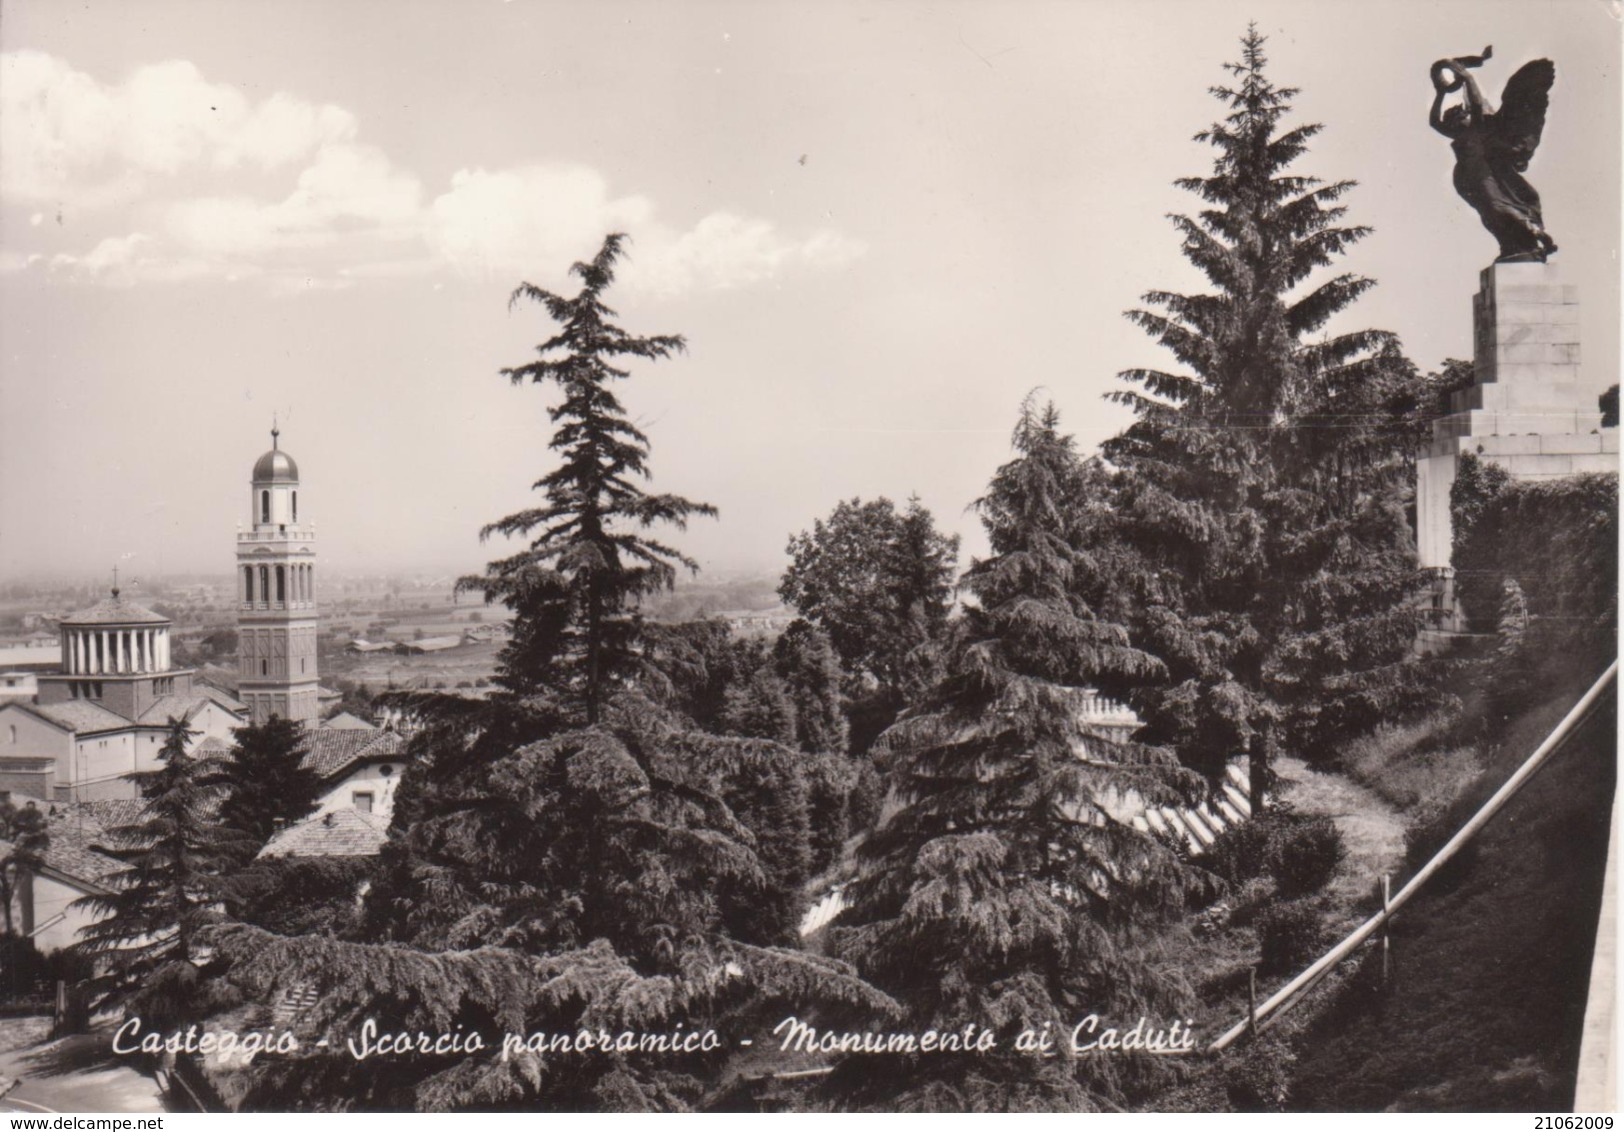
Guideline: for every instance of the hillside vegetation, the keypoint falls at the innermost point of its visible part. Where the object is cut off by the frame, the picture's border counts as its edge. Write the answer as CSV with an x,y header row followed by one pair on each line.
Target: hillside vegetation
x,y
1491,962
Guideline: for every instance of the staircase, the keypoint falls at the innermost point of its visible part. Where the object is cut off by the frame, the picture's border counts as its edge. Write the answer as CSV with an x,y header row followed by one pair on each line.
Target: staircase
x,y
1198,827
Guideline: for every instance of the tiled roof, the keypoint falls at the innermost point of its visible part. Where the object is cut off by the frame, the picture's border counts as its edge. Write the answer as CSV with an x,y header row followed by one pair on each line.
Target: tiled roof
x,y
76,836
115,610
348,721
178,706
212,746
220,696
82,716
110,813
337,833
329,752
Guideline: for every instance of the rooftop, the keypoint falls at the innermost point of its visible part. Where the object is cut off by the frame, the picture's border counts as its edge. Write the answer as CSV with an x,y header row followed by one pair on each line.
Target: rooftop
x,y
337,833
80,715
162,709
77,835
276,466
330,752
115,610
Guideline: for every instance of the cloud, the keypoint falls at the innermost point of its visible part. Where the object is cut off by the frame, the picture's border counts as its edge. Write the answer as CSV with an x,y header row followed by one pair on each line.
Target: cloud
x,y
350,194
123,261
70,140
724,251
532,221
143,155
529,220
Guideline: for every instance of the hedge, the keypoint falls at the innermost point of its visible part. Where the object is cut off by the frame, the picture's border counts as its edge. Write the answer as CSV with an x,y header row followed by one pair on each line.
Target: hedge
x,y
1557,538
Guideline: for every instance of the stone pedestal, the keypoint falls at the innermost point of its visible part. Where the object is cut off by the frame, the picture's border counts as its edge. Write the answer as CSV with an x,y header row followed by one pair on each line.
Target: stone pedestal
x,y
1525,409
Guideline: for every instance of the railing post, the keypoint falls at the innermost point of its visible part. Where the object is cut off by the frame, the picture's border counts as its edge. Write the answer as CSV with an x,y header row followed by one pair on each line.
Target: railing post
x,y
1378,922
1251,1004
1387,912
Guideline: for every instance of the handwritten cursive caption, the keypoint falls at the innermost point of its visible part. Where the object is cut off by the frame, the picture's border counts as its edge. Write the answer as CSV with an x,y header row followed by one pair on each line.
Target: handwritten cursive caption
x,y
1093,1035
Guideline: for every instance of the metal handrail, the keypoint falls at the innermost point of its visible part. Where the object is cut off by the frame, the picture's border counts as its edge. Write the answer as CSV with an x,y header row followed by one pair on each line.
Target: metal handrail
x,y
1369,928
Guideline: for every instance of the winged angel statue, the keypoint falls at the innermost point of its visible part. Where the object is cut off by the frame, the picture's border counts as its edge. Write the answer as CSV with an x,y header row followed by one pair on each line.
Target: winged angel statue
x,y
1492,150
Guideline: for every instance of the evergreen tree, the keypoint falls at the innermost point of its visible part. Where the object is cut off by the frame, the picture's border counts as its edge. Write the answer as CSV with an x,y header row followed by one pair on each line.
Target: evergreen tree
x,y
145,939
760,709
806,661
568,853
573,590
695,666
24,841
266,782
1006,890
1261,504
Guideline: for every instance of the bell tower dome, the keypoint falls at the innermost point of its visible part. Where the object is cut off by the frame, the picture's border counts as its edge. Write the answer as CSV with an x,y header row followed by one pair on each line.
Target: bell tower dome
x,y
276,595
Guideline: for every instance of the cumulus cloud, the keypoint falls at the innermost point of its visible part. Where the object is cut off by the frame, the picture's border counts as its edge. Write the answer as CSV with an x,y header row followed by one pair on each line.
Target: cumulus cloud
x,y
69,139
527,220
349,193
310,207
532,220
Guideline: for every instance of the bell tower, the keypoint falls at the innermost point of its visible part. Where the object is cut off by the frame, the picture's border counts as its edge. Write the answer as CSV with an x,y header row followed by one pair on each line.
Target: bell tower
x,y
276,596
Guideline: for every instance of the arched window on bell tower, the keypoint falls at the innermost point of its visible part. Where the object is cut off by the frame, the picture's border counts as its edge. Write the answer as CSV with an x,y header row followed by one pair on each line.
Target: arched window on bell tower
x,y
295,506
248,579
265,507
282,583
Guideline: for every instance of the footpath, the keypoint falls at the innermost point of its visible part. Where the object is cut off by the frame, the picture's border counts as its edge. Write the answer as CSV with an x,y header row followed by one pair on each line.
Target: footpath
x,y
75,1074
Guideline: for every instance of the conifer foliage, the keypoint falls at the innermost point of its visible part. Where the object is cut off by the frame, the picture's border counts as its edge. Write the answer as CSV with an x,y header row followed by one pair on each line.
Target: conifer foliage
x,y
574,587
1260,492
1004,890
266,782
571,853
177,857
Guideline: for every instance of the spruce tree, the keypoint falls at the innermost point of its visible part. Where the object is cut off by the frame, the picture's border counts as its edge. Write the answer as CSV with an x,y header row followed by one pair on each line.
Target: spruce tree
x,y
1260,499
177,854
1007,889
266,782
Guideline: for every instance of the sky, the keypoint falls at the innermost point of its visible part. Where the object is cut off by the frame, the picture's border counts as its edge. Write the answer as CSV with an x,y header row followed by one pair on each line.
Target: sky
x,y
878,226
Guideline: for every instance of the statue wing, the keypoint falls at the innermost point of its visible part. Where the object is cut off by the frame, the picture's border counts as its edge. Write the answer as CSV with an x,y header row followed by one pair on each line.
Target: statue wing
x,y
1521,119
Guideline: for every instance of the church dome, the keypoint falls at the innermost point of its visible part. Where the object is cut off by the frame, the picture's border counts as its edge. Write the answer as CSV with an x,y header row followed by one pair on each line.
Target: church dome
x,y
276,466
115,611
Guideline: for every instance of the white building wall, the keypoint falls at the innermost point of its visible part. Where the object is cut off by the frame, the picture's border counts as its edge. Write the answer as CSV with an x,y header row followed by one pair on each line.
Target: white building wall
x,y
56,924
368,779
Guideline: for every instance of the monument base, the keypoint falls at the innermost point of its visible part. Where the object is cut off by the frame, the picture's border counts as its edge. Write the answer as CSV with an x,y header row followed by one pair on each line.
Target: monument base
x,y
1525,410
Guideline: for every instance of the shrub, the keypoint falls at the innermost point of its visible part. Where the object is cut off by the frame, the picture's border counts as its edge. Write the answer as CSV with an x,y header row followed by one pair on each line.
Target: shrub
x,y
1258,1079
1242,852
1299,851
1557,538
1291,936
24,972
1306,854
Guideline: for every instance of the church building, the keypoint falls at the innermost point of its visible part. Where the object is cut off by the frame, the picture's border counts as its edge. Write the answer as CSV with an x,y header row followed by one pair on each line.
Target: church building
x,y
105,713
